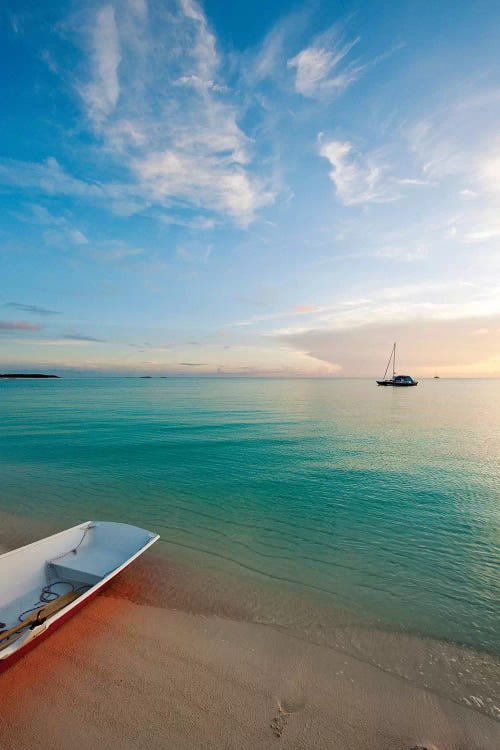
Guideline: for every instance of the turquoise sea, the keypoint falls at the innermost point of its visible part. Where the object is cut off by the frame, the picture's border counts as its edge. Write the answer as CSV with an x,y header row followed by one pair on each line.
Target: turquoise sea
x,y
353,515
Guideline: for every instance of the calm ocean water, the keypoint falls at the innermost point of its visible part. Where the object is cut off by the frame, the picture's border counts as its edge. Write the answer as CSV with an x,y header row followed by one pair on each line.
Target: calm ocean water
x,y
382,505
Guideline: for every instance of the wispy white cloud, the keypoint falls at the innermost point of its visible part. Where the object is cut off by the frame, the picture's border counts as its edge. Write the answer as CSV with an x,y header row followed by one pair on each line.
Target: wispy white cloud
x,y
163,110
410,254
438,154
370,177
413,181
64,237
41,215
194,252
199,222
478,225
488,169
49,61
117,253
321,69
464,161
203,178
77,237
449,143
165,121
357,178
293,312
46,177
269,55
50,178
61,232
101,92
483,234
204,52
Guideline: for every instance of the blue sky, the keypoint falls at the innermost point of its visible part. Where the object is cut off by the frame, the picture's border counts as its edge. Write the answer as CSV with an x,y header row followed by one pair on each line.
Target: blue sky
x,y
270,188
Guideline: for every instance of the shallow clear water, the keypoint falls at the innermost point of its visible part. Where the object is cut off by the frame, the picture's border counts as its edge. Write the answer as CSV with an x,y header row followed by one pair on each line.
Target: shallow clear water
x,y
380,504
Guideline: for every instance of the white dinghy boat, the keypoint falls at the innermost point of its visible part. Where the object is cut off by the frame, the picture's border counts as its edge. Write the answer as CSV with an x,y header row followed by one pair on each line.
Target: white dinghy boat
x,y
46,582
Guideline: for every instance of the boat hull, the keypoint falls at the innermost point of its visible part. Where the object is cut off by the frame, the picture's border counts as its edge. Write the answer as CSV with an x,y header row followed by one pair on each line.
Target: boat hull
x,y
396,385
31,637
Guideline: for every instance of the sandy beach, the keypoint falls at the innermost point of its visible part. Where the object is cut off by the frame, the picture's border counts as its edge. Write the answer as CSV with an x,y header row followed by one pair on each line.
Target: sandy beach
x,y
125,675
153,663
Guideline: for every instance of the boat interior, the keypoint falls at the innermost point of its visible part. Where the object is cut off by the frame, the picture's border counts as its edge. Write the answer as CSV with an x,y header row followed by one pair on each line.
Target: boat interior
x,y
16,610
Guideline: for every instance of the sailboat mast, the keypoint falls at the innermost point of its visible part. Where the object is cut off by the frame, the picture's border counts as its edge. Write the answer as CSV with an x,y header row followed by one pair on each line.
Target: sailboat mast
x,y
389,363
394,362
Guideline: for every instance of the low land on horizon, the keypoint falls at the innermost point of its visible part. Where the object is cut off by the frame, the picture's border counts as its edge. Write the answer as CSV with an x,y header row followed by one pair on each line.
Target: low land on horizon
x,y
15,375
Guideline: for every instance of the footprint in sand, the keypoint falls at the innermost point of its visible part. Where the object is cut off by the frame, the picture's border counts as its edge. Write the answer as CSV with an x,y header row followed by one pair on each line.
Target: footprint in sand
x,y
278,724
290,704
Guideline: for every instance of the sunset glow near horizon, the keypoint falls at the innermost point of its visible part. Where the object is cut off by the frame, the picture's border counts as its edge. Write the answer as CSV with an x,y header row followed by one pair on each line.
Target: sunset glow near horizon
x,y
273,189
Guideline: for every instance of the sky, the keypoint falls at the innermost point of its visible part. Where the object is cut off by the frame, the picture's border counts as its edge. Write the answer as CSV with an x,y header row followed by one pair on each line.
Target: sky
x,y
271,189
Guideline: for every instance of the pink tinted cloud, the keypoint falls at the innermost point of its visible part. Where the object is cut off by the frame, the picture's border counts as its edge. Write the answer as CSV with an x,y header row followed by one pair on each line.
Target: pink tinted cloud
x,y
304,308
18,325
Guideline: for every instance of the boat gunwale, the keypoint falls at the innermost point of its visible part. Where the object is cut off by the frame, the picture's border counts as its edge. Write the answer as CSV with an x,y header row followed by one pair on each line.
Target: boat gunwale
x,y
81,526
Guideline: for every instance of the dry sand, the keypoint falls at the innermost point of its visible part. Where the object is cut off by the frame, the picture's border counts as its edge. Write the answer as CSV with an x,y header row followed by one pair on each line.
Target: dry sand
x,y
126,675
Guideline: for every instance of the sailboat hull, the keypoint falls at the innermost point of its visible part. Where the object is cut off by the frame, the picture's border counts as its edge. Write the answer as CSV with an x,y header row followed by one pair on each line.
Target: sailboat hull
x,y
396,384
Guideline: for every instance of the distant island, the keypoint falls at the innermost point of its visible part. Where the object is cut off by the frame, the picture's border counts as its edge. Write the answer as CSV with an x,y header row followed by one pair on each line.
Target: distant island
x,y
26,375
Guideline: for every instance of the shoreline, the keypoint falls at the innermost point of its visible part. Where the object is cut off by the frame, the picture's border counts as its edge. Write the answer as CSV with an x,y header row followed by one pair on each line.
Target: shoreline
x,y
468,678
128,675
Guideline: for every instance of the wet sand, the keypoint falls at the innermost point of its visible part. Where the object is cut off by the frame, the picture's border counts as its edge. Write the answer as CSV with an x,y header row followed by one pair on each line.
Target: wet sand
x,y
127,675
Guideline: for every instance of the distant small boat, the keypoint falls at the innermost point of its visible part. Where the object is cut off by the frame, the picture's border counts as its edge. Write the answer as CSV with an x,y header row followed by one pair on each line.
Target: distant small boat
x,y
401,381
436,377
46,582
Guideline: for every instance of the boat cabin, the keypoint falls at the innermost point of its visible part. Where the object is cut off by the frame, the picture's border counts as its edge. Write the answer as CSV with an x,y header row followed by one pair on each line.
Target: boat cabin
x,y
403,379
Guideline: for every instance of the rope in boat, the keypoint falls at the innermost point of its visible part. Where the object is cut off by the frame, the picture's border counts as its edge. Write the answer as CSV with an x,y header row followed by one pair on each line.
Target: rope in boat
x,y
58,557
48,595
63,554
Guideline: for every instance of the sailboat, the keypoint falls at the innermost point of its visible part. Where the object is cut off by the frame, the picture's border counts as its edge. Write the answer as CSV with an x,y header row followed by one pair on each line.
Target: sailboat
x,y
396,380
